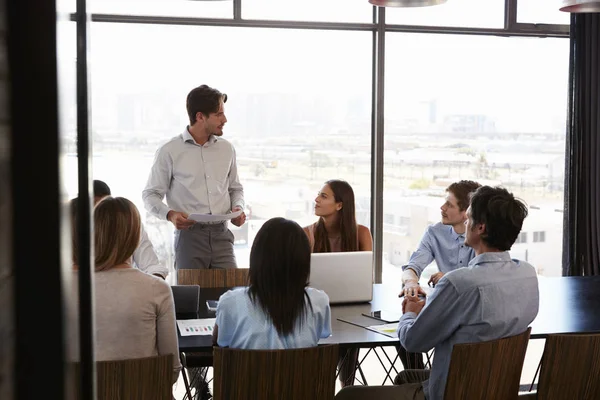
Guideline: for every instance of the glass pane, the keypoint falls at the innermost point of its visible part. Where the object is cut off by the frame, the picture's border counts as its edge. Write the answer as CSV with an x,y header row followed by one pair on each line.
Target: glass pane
x,y
488,109
172,8
542,12
65,6
297,115
309,10
467,13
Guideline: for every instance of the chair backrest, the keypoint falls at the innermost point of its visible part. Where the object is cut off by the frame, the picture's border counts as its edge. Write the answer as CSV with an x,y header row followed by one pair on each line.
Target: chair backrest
x,y
148,378
307,373
570,368
186,298
213,278
487,370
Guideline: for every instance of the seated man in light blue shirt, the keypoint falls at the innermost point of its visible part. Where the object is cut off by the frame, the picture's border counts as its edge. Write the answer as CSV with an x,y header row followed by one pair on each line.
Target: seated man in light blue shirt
x,y
444,243
494,297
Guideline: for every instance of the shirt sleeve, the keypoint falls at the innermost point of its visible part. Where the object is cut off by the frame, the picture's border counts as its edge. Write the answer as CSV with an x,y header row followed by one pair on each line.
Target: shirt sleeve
x,y
423,256
326,321
146,259
223,321
158,184
166,328
437,321
236,190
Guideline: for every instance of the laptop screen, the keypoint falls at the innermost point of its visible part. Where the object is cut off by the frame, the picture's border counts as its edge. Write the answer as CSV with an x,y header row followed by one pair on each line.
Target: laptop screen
x,y
346,277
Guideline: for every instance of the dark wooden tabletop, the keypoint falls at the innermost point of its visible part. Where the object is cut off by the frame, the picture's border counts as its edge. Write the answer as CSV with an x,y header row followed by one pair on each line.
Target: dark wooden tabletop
x,y
567,305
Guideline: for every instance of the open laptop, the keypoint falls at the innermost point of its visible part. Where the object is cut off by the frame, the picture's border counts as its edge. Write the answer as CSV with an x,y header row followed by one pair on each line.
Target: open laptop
x,y
346,277
186,298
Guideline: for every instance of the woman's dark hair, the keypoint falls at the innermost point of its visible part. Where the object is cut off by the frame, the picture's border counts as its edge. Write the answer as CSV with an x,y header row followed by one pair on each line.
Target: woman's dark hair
x,y
342,192
279,273
501,213
203,99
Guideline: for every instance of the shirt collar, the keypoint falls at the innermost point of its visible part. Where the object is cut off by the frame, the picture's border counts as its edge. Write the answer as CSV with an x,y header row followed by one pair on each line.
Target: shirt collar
x,y
187,137
455,236
502,256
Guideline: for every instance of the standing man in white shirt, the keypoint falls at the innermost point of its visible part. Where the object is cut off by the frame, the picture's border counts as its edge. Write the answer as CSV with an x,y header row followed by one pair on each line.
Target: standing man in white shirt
x,y
144,257
197,172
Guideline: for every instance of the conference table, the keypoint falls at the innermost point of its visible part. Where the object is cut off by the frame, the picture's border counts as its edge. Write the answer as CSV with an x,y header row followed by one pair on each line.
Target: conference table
x,y
567,305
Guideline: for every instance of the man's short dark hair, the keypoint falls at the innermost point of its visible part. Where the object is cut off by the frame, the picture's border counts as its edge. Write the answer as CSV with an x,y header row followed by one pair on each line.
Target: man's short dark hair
x,y
462,190
501,213
101,189
203,99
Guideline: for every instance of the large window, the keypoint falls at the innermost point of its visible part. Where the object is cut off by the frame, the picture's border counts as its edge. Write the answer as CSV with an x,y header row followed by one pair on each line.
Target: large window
x,y
299,114
467,13
483,108
541,11
308,10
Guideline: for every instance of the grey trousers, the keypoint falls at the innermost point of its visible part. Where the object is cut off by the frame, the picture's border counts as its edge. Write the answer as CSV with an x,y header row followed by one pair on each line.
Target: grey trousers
x,y
204,246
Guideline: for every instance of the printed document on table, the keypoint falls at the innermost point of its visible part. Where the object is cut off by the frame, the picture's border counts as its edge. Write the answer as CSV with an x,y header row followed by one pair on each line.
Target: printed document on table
x,y
214,217
190,327
386,329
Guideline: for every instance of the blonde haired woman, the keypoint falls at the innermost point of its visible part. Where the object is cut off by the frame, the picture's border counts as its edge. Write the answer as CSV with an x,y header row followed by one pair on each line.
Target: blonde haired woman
x,y
135,313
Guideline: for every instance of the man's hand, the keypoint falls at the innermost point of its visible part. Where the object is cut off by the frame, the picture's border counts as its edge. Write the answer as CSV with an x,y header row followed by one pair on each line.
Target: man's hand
x,y
180,220
412,288
435,278
238,221
413,304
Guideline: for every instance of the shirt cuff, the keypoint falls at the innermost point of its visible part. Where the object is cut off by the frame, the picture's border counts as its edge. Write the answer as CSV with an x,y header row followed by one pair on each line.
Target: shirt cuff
x,y
408,315
157,269
163,212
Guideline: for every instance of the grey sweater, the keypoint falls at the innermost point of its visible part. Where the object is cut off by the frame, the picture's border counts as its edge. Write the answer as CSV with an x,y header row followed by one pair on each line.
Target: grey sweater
x,y
135,316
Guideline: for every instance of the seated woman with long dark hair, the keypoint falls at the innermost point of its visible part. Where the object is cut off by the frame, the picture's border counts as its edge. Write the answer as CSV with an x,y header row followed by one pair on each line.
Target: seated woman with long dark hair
x,y
277,310
336,231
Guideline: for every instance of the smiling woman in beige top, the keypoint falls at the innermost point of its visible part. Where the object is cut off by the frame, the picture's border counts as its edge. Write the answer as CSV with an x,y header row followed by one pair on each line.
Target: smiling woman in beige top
x,y
134,313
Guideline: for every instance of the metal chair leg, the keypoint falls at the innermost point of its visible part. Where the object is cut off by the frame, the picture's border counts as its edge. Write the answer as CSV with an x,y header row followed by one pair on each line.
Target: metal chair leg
x,y
188,393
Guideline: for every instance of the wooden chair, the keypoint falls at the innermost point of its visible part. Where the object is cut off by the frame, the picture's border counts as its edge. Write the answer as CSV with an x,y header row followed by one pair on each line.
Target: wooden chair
x,y
207,279
275,374
370,392
478,371
148,378
570,368
213,278
487,370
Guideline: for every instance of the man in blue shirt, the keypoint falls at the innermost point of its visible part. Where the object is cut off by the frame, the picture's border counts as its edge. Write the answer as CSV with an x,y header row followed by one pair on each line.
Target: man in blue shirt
x,y
494,297
444,243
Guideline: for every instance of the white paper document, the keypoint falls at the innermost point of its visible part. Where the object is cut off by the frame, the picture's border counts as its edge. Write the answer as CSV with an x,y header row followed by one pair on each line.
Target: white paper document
x,y
386,329
190,327
214,217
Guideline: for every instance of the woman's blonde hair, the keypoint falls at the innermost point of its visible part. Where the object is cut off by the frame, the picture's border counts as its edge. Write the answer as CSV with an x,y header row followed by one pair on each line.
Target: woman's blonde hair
x,y
117,229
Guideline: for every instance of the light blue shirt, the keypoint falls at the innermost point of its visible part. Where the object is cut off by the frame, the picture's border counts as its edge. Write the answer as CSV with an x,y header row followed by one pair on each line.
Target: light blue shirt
x,y
494,297
194,178
244,325
442,244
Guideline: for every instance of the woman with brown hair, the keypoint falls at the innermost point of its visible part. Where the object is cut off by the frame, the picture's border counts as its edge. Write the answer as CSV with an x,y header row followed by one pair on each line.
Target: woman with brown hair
x,y
336,231
134,313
